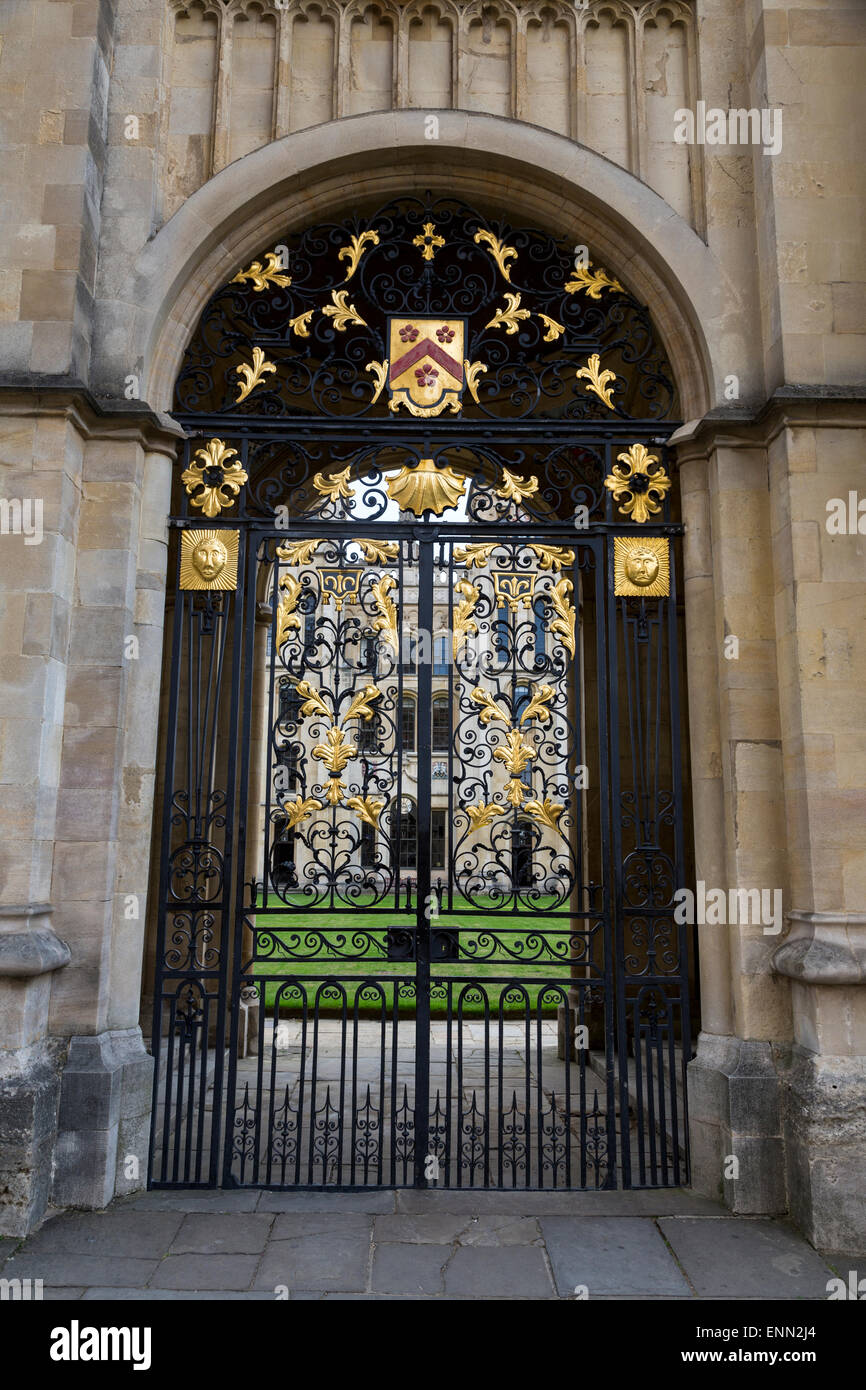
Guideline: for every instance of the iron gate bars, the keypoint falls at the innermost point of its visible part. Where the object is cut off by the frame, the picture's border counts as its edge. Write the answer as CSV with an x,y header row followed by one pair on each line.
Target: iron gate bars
x,y
393,887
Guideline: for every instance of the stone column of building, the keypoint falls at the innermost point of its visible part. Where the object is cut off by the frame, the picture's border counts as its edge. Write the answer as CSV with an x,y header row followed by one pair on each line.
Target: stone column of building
x,y
734,1093
813,267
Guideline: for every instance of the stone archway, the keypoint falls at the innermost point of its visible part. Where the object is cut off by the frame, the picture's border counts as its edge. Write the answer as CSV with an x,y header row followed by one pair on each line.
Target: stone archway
x,y
562,519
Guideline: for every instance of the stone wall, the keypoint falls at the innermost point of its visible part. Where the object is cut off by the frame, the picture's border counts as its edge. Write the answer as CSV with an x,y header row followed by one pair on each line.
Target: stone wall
x,y
238,73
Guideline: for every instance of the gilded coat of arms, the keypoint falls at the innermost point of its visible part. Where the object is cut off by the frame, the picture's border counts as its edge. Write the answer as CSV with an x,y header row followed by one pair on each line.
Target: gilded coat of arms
x,y
426,364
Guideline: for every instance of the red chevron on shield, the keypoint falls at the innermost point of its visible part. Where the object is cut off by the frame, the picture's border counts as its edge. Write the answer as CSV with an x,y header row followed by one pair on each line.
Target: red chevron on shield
x,y
425,364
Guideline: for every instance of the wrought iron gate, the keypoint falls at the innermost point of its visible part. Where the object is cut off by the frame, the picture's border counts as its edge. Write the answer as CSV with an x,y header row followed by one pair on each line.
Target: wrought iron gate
x,y
422,814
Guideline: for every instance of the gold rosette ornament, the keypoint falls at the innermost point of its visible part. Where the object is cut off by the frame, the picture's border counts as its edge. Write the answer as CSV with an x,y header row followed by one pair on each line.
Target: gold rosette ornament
x,y
215,481
631,479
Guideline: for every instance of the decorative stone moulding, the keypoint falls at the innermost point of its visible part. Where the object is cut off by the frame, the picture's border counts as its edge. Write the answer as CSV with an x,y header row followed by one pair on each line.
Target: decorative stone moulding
x,y
33,951
824,948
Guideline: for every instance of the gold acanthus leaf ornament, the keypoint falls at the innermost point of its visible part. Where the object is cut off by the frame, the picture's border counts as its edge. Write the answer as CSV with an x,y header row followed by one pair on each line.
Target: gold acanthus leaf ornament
x,y
482,814
426,488
207,462
313,702
380,376
342,312
288,619
563,624
547,812
553,329
517,754
386,623
644,490
299,809
378,552
470,555
299,552
515,489
253,373
501,254
489,708
597,380
465,625
334,485
537,707
369,808
355,250
592,281
473,371
300,324
361,706
261,276
335,753
552,557
509,317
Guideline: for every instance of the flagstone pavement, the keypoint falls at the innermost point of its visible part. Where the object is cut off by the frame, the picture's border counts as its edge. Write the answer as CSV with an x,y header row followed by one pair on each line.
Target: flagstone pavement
x,y
260,1245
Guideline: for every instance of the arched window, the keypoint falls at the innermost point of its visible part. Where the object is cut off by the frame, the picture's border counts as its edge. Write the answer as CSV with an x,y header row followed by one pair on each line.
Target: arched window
x,y
441,725
407,724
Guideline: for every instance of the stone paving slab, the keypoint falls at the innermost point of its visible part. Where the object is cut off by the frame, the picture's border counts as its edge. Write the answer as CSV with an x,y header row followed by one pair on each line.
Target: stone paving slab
x,y
418,1245
409,1269
113,1232
520,1271
372,1202
292,1225
206,1272
76,1269
737,1258
316,1262
185,1200
446,1228
219,1233
176,1295
611,1257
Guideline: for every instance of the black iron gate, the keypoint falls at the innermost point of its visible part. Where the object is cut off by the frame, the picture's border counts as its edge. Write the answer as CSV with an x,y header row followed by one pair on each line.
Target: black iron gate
x,y
422,814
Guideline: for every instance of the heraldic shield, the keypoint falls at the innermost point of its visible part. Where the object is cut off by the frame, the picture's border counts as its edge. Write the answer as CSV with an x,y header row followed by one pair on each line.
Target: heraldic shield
x,y
426,372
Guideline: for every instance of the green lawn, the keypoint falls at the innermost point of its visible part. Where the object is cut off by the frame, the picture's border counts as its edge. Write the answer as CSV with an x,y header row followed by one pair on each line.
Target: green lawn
x,y
339,927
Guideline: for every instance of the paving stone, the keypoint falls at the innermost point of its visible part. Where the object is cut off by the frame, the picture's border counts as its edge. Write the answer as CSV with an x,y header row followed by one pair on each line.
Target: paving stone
x,y
515,1270
316,1262
73,1270
446,1227
743,1258
507,1201
409,1268
208,1233
231,1272
186,1200
143,1234
376,1200
614,1257
68,1293
175,1295
292,1225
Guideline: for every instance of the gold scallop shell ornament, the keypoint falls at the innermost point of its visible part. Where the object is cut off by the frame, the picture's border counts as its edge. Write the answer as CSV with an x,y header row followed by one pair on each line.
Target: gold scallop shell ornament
x,y
426,488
